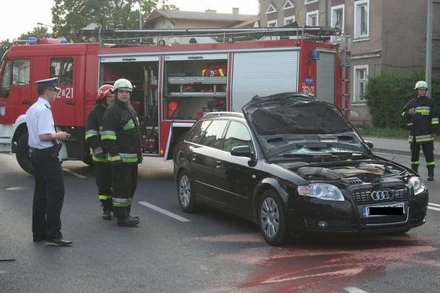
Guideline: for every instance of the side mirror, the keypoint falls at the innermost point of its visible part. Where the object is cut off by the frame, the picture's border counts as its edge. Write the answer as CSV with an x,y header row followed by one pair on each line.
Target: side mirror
x,y
369,144
242,151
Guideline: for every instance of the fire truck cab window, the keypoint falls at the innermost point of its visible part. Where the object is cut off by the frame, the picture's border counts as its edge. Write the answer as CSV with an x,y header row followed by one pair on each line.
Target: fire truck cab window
x,y
63,69
21,72
6,80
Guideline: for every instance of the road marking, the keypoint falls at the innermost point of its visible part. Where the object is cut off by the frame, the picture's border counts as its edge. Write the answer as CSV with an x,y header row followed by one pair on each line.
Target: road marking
x,y
355,290
74,173
434,204
434,209
165,212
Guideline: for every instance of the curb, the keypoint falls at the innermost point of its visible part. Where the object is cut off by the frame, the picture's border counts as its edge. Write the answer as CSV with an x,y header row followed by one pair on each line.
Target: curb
x,y
402,153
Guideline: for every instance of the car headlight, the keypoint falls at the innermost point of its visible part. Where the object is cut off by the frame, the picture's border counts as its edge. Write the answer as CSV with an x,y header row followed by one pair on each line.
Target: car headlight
x,y
417,184
322,191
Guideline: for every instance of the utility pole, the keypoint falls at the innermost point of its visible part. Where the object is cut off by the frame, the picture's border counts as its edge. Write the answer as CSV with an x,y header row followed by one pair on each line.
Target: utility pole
x,y
428,65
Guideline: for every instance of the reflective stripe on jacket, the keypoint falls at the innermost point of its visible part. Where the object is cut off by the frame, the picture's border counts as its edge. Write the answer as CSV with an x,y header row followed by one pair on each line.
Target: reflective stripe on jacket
x,y
93,133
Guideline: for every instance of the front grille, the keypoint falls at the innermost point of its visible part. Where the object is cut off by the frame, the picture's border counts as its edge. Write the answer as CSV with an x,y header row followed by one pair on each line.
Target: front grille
x,y
398,192
351,181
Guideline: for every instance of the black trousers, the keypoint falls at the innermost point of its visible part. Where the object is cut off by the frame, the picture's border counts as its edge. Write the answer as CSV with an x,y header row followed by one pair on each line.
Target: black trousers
x,y
124,186
103,175
48,195
428,151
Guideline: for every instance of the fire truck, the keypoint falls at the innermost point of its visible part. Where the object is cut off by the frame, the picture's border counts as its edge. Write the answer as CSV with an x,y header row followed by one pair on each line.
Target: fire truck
x,y
178,76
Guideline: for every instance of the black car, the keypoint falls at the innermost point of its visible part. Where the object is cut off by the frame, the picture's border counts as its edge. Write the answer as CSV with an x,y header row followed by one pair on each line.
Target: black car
x,y
294,164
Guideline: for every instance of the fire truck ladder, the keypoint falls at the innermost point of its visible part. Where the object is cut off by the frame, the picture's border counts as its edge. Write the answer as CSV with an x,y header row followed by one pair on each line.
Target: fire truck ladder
x,y
221,35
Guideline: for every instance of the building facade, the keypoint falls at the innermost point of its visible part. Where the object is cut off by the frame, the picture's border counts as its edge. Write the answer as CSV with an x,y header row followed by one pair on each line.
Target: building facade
x,y
383,36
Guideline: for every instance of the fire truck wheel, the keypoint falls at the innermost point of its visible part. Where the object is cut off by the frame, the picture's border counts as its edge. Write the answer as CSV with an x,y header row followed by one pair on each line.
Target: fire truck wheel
x,y
22,154
185,192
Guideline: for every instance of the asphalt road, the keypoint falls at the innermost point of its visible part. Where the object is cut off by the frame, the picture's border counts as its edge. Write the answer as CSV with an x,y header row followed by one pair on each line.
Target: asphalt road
x,y
208,251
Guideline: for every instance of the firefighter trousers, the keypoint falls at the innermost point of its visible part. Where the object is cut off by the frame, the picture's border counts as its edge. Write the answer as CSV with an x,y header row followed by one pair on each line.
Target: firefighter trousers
x,y
428,151
48,194
124,182
103,175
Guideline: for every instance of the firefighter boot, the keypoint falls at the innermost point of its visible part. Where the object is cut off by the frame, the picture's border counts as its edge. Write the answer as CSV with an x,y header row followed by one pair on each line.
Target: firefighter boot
x,y
128,221
415,167
107,208
430,173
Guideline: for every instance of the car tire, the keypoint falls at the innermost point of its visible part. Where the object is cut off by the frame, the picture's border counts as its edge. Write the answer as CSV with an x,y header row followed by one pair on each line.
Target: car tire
x,y
271,218
185,192
22,154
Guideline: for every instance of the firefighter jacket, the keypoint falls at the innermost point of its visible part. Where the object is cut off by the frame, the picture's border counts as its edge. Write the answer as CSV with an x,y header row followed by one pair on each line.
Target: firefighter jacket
x,y
94,131
121,135
424,122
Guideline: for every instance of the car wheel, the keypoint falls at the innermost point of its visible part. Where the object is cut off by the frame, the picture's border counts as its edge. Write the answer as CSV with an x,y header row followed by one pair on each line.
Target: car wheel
x,y
185,192
22,154
271,218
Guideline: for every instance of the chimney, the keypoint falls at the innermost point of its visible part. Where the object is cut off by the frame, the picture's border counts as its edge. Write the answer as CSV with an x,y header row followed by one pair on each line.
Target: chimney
x,y
211,10
235,10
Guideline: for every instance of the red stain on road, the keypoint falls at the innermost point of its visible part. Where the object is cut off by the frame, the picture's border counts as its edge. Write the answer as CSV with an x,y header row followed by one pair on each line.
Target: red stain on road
x,y
329,266
319,265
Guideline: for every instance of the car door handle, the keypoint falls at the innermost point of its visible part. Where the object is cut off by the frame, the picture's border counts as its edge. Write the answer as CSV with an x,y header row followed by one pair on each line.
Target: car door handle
x,y
219,164
70,102
194,158
26,102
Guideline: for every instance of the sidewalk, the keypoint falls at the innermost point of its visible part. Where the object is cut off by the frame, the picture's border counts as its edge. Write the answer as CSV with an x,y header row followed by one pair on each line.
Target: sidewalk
x,y
397,146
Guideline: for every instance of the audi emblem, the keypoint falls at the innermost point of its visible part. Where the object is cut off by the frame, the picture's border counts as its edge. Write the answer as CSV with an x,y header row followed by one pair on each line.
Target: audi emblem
x,y
381,195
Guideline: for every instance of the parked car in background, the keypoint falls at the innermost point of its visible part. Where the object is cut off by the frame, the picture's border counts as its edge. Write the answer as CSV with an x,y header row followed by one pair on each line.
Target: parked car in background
x,y
294,164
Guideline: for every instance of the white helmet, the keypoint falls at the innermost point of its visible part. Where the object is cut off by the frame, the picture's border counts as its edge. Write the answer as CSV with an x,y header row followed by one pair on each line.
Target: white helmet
x,y
421,84
123,84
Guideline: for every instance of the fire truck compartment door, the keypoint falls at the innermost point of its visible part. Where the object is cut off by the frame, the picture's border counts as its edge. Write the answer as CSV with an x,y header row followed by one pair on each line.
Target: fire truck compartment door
x,y
325,77
131,58
263,73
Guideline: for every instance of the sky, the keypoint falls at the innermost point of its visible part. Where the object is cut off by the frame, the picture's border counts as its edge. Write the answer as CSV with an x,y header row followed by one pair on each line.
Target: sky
x,y
21,16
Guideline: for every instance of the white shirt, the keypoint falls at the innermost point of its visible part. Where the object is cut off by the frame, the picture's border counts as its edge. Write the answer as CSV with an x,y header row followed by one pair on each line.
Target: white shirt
x,y
39,121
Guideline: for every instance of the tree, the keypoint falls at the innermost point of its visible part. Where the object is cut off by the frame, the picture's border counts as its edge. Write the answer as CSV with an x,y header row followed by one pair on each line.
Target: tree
x,y
70,16
38,32
4,46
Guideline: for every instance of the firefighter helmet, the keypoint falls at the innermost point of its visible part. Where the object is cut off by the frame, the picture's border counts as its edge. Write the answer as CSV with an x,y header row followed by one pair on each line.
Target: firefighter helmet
x,y
123,84
421,84
104,91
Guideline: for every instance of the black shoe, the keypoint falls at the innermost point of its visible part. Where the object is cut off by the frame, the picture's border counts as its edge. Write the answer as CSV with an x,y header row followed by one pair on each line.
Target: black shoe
x,y
107,215
431,178
128,221
58,242
39,238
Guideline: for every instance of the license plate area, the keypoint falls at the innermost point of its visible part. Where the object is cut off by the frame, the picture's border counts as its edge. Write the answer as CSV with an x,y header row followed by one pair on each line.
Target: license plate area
x,y
397,209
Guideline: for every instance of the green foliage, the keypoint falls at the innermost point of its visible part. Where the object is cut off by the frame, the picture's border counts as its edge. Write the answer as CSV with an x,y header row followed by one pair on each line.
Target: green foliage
x,y
389,92
38,32
70,16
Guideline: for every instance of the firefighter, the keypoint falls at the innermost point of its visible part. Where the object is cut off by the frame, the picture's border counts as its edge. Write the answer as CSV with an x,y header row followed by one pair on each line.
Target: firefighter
x,y
421,118
101,164
121,140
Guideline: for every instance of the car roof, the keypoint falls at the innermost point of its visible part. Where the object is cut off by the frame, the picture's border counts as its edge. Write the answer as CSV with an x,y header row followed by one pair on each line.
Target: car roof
x,y
225,114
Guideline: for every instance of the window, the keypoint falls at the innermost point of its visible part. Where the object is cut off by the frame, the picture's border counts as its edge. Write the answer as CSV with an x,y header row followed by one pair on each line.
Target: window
x,y
21,71
213,134
310,1
237,135
337,17
288,4
63,69
271,9
6,81
360,82
198,131
312,18
272,23
289,20
361,19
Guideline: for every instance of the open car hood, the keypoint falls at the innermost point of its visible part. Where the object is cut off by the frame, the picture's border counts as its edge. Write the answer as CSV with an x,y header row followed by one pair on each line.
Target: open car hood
x,y
287,120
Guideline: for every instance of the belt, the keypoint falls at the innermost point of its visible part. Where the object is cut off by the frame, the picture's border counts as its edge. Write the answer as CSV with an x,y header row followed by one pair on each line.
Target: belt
x,y
45,149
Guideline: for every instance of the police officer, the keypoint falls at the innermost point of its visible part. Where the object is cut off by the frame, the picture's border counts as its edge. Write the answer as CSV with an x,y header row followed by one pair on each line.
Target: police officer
x,y
121,140
421,118
101,164
49,183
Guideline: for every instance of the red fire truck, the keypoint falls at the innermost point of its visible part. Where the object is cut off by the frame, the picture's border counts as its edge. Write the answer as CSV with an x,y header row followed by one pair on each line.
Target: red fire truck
x,y
174,83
